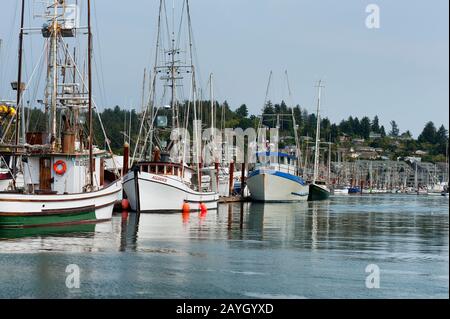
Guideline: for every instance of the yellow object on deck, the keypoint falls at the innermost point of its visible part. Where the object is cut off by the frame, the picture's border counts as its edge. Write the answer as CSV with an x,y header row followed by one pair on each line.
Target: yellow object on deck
x,y
6,110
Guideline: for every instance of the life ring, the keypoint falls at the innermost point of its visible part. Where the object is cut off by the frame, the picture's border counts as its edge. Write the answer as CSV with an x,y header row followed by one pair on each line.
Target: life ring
x,y
60,167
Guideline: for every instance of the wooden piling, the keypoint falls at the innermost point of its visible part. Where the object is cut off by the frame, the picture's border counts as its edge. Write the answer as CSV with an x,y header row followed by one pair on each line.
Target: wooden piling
x,y
126,158
231,174
243,179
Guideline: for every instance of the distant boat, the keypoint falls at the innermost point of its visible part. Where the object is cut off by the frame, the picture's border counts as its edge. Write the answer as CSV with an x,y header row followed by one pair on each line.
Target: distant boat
x,y
354,190
340,191
318,190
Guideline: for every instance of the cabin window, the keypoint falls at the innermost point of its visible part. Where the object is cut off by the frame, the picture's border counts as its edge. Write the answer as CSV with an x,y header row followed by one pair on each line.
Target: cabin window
x,y
152,169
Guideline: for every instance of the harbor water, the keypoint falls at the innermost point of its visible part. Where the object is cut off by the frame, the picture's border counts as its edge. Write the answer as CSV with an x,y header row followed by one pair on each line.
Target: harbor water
x,y
248,250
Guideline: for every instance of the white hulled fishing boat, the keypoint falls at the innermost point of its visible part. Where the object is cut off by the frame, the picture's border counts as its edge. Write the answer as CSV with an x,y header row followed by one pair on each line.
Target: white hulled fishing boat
x,y
63,173
277,180
161,180
276,175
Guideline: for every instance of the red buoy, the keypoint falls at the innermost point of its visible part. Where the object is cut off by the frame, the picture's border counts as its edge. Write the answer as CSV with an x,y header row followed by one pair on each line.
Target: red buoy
x,y
125,204
203,208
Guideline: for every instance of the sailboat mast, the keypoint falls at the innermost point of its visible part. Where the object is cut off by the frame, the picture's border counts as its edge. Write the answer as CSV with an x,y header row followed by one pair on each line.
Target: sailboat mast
x,y
19,86
317,149
91,159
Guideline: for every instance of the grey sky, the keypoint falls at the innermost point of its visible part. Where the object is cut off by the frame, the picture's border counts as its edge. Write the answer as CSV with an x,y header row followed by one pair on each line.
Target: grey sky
x,y
400,71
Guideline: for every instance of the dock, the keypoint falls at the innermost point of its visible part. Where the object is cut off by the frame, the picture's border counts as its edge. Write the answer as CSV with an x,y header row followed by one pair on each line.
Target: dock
x,y
233,199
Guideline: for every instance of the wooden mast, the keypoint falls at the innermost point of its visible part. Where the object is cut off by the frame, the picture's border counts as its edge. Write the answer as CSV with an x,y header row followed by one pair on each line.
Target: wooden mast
x,y
19,86
91,159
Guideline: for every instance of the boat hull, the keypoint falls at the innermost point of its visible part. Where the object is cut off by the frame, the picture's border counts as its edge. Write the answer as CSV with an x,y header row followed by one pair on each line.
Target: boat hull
x,y
318,192
153,193
273,186
20,210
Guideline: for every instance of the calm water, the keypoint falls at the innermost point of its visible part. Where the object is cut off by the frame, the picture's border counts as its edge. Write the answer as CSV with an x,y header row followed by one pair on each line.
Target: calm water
x,y
310,250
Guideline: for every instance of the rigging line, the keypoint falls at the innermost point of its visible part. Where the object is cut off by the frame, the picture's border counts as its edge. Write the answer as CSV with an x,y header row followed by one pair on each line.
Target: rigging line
x,y
28,84
260,122
151,100
167,22
99,44
36,88
116,171
7,46
152,95
178,42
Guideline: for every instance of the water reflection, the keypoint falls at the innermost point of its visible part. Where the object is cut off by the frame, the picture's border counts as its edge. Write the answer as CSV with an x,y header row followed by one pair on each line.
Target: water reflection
x,y
233,251
64,231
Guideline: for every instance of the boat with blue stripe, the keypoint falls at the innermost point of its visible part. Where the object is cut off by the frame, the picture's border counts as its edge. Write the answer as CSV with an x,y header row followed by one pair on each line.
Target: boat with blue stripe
x,y
276,179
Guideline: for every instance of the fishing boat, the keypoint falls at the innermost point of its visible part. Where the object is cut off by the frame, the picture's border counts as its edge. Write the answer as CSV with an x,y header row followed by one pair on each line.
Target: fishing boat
x,y
275,177
63,171
318,189
161,180
278,180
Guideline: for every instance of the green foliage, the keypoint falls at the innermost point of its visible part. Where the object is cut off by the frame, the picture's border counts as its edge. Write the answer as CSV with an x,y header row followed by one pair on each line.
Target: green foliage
x,y
395,131
431,140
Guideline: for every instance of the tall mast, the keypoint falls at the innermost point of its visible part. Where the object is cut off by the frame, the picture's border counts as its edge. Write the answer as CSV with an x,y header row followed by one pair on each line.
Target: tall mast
x,y
317,150
173,75
211,88
329,162
446,162
54,74
19,86
294,124
143,90
91,159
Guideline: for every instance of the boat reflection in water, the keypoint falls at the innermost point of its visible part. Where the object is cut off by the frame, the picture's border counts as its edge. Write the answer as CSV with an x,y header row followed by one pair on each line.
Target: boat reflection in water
x,y
69,230
69,238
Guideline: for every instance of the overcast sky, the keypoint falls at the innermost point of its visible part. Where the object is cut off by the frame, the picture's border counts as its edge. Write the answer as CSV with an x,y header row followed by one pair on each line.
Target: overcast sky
x,y
399,71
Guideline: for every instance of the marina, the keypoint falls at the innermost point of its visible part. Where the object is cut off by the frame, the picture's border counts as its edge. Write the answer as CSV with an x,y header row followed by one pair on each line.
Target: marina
x,y
185,195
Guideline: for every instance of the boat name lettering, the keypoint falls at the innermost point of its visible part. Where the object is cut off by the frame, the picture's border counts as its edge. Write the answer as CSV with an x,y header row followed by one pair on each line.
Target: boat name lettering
x,y
161,179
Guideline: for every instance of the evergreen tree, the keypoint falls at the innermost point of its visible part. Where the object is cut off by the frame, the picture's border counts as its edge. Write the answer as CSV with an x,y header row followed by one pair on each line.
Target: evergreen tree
x,y
442,135
242,111
375,125
395,131
428,134
365,127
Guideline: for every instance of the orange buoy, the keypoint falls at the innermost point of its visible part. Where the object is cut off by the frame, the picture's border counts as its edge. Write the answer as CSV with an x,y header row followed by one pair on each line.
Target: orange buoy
x,y
186,208
125,204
